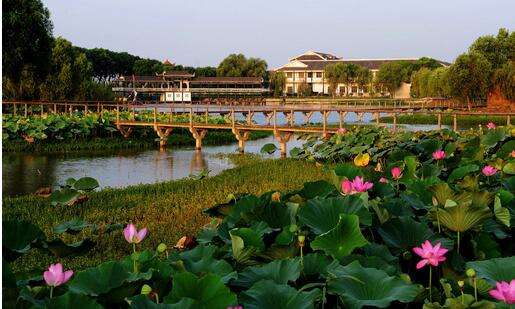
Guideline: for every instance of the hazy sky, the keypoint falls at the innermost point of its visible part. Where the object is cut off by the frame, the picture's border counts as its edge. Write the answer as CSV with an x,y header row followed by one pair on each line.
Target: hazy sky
x,y
203,32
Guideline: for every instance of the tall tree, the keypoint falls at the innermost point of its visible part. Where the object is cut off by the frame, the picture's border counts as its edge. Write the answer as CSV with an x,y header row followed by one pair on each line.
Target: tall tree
x,y
27,40
363,77
277,83
237,65
469,77
391,76
505,79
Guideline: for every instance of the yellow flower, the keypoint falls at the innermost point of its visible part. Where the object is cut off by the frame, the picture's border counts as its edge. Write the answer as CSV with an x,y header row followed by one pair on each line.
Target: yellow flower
x,y
362,159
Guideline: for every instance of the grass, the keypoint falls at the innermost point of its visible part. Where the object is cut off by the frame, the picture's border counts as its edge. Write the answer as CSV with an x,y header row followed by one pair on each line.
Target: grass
x,y
446,120
169,210
178,137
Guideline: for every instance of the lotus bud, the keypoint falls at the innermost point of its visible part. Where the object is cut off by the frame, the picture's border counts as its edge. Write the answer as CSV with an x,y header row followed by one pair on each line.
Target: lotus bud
x,y
301,239
435,201
293,228
461,284
276,196
161,248
471,273
146,289
406,255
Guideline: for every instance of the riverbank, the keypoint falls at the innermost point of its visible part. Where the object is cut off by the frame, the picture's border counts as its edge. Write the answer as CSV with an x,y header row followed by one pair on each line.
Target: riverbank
x,y
169,210
178,137
446,120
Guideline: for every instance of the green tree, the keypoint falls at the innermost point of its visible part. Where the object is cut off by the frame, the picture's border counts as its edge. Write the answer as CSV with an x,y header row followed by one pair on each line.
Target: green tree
x,y
277,83
237,65
363,78
147,67
439,83
391,76
27,40
505,79
496,49
334,74
469,77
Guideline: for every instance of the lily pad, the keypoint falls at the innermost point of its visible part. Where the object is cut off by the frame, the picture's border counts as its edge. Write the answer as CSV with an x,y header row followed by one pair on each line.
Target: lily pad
x,y
281,272
73,226
72,300
359,286
500,269
270,295
86,184
342,239
18,237
200,260
268,148
208,291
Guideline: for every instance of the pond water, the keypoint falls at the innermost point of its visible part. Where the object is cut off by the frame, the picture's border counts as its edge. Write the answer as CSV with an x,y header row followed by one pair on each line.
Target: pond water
x,y
24,173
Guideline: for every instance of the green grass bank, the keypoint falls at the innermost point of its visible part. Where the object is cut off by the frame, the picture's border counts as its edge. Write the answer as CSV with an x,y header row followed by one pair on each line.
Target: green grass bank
x,y
169,210
446,120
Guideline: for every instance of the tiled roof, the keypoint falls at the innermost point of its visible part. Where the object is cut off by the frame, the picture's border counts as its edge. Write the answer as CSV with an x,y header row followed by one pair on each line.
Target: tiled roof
x,y
236,80
177,74
371,64
140,78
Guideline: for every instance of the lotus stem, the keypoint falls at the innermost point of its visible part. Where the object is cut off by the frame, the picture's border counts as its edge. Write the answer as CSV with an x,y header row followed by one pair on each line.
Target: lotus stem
x,y
458,242
134,258
301,258
475,289
462,297
438,219
430,278
51,292
157,298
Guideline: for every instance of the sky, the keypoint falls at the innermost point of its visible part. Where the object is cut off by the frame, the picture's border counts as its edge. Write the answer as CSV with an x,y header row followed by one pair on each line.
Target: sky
x,y
203,32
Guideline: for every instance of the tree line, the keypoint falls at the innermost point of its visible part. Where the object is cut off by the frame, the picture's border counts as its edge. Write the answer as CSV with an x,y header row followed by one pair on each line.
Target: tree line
x,y
35,65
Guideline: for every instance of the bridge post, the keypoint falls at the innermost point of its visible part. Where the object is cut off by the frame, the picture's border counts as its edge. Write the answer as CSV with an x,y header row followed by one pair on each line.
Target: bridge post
x,y
508,120
241,138
42,111
268,117
117,112
324,123
283,138
14,109
25,110
198,136
455,126
307,116
55,109
162,134
439,121
395,122
377,119
249,117
292,118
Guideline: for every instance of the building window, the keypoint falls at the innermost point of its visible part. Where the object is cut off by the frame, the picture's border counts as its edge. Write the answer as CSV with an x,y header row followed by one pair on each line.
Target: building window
x,y
310,74
289,90
289,74
301,74
319,75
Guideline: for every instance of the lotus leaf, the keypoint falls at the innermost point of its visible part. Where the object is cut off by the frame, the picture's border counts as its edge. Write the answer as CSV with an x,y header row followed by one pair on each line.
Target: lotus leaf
x,y
280,271
499,269
270,295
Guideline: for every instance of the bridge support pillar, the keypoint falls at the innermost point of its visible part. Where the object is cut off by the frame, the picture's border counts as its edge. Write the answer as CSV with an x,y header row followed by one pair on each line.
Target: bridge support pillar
x,y
268,116
125,131
163,133
283,138
241,138
289,117
307,116
198,136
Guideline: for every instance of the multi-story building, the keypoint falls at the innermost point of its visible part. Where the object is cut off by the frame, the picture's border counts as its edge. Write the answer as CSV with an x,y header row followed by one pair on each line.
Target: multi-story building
x,y
308,69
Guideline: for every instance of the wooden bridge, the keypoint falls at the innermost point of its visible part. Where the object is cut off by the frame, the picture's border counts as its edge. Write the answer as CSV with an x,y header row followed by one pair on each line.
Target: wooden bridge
x,y
241,122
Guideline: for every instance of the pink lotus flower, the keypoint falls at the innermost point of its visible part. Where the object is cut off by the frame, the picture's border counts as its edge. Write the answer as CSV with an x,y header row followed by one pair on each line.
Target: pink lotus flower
x,y
132,235
396,173
383,180
356,186
489,171
438,155
55,276
341,131
429,254
491,125
513,154
235,307
504,292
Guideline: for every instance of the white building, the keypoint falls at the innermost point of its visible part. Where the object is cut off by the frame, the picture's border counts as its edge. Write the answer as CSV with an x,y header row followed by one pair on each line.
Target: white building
x,y
308,68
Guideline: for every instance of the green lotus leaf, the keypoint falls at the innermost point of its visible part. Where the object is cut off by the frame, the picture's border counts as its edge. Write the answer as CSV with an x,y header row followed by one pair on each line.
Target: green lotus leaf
x,y
144,302
359,286
342,239
465,302
506,149
64,196
509,168
318,264
404,233
319,188
281,272
73,226
70,182
371,262
486,246
429,146
501,213
500,269
72,300
208,291
462,217
268,148
270,295
245,243
18,237
347,170
460,172
410,171
86,184
104,279
322,215
493,136
200,260
60,249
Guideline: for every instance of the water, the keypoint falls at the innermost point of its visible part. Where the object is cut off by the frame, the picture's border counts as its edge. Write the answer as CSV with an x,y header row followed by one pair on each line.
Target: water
x,y
24,173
